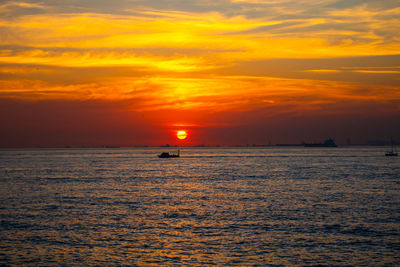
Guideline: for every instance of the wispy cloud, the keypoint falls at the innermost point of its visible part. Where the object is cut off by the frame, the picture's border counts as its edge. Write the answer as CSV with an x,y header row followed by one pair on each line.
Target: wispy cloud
x,y
378,71
323,71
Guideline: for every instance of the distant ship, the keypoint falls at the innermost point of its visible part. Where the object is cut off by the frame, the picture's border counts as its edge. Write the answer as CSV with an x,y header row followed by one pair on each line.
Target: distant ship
x,y
328,143
391,153
169,155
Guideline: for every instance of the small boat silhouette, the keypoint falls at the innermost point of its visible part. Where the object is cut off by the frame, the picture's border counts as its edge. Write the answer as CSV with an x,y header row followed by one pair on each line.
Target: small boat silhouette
x,y
169,155
391,153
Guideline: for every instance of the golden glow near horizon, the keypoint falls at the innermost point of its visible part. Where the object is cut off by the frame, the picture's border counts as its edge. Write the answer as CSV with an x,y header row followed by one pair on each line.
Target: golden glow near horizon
x,y
231,55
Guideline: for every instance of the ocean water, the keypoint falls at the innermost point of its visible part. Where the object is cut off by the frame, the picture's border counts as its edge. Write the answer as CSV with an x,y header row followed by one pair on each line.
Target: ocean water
x,y
213,206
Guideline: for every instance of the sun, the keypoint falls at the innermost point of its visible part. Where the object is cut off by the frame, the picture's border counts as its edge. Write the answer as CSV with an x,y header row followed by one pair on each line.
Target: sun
x,y
181,134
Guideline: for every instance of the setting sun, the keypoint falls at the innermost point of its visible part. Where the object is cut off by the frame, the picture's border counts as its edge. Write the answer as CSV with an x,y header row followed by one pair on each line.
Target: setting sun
x,y
181,134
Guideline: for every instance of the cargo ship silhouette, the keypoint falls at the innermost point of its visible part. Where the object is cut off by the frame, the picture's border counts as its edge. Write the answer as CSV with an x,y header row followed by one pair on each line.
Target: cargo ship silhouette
x,y
328,143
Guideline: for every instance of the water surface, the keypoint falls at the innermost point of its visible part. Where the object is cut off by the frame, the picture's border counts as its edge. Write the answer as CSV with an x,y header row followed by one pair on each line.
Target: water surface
x,y
212,206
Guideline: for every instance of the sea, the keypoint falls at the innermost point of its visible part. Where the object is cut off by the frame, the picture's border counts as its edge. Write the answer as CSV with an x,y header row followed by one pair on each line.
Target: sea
x,y
247,206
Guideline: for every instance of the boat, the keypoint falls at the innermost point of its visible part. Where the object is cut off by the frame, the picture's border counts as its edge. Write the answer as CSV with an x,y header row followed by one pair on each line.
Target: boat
x,y
169,155
391,153
328,143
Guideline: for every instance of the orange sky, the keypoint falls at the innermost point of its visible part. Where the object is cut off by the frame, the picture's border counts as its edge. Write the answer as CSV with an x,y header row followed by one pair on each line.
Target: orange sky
x,y
90,73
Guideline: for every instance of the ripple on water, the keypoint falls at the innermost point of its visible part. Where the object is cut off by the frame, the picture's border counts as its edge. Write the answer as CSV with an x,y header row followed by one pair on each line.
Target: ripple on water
x,y
210,207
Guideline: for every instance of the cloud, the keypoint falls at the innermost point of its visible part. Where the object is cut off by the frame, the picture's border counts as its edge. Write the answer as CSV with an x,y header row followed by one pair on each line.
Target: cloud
x,y
378,71
12,9
323,71
165,93
358,31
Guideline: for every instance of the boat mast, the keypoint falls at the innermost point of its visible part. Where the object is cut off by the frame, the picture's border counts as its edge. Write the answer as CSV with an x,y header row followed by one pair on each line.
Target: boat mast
x,y
392,143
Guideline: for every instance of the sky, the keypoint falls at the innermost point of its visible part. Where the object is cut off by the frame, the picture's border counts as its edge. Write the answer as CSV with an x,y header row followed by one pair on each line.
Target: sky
x,y
229,72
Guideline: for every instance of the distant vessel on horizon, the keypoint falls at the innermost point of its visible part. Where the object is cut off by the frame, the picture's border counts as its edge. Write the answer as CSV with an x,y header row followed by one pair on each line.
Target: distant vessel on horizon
x,y
391,153
169,155
328,143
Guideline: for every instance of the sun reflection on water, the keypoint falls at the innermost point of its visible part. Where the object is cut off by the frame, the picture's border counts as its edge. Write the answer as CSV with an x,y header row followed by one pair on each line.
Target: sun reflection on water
x,y
209,207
